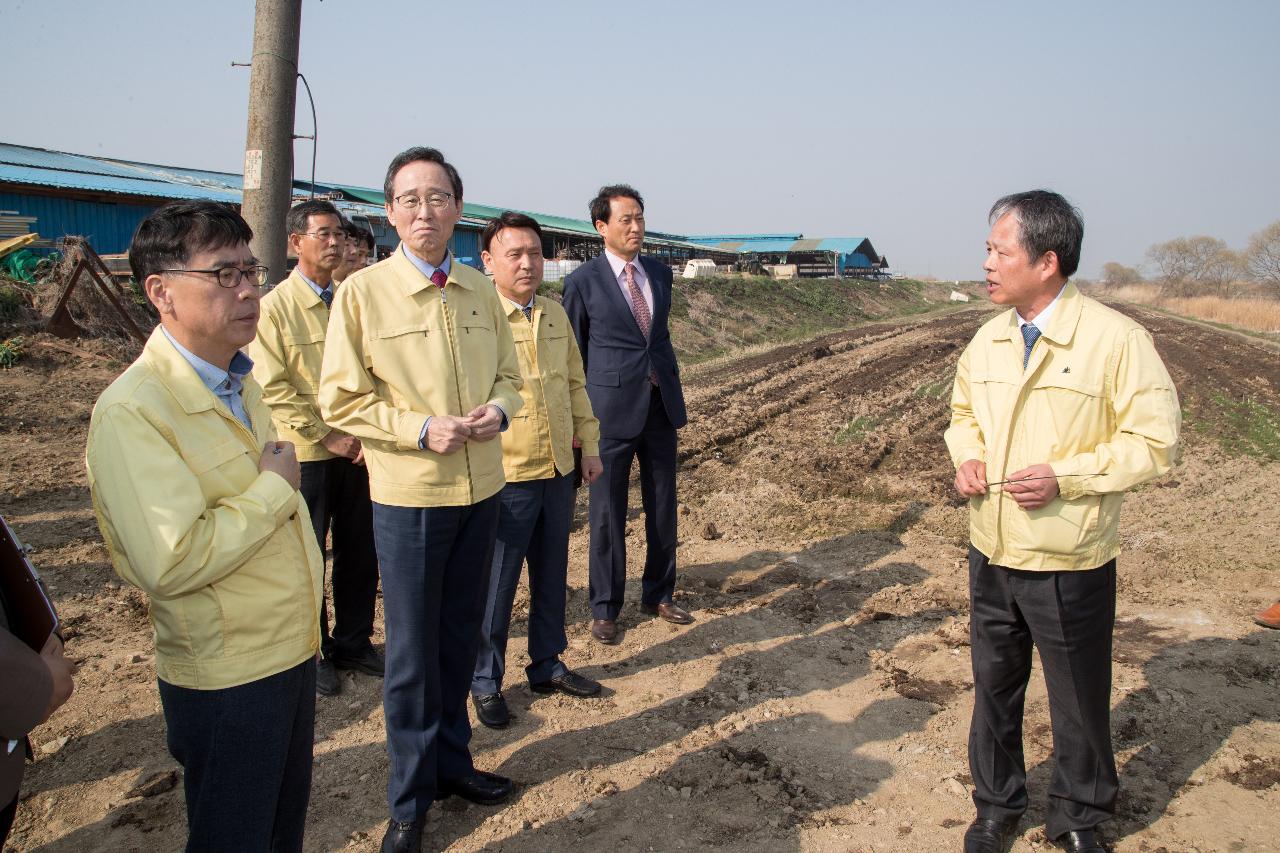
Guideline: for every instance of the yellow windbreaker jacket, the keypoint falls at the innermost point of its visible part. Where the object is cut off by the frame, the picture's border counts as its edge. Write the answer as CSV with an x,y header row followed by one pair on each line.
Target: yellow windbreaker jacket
x,y
398,351
287,355
1095,403
539,442
225,553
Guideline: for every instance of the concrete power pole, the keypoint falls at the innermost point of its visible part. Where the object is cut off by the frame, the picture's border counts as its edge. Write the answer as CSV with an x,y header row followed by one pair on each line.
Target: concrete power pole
x,y
268,156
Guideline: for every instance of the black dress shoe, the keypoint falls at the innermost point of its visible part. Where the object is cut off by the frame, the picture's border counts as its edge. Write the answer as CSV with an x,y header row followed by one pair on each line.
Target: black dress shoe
x,y
491,709
368,661
327,683
605,631
486,789
403,837
670,611
568,682
987,835
1081,841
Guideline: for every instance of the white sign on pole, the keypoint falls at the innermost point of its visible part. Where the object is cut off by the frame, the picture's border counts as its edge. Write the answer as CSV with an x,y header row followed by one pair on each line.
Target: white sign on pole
x,y
253,169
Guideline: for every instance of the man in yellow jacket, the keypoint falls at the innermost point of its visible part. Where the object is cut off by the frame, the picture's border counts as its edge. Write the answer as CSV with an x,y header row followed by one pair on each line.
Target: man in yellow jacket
x,y
199,507
1060,406
287,356
420,366
537,454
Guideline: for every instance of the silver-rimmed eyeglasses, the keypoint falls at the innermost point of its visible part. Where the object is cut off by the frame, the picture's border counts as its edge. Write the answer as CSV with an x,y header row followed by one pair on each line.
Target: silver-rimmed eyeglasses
x,y
436,201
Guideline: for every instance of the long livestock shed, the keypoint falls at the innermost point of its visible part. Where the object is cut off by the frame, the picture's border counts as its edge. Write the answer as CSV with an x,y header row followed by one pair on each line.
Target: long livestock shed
x,y
824,257
104,199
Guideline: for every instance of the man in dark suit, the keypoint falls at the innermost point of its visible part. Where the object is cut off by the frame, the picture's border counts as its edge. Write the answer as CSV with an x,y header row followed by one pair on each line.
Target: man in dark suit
x,y
618,304
35,685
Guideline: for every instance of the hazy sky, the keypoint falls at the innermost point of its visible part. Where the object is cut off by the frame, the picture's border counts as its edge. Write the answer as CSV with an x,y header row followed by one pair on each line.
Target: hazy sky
x,y
901,121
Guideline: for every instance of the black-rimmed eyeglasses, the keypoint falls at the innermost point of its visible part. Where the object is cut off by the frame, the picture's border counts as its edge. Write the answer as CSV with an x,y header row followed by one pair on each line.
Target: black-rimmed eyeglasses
x,y
230,277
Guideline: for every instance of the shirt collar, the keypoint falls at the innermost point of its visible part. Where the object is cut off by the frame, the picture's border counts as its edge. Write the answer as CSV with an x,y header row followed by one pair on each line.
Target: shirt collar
x,y
618,265
1041,321
532,299
317,288
426,268
211,375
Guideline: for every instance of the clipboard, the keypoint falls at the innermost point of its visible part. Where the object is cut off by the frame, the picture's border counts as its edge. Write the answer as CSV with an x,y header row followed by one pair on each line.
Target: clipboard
x,y
31,615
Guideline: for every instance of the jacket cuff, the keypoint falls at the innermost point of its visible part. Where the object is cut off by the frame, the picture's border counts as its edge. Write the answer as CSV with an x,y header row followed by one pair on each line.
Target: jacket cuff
x,y
590,448
410,429
961,455
314,431
280,497
1069,487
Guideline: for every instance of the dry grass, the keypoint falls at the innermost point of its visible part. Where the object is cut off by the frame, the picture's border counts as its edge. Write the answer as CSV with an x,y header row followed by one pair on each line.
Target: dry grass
x,y
1259,315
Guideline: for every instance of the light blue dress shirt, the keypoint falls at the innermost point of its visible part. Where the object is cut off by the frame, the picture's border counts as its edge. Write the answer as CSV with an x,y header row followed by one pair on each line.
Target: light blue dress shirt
x,y
320,291
225,384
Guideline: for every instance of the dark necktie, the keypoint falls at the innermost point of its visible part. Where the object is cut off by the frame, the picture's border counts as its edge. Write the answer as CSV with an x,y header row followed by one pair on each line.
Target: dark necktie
x,y
528,312
438,278
1030,334
326,296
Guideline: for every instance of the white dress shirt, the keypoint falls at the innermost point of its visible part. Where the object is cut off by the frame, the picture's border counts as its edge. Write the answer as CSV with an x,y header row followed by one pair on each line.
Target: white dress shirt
x,y
619,267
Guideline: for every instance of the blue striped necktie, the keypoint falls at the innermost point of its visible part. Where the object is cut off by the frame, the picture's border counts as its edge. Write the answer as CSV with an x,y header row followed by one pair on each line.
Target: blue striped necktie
x,y
1030,334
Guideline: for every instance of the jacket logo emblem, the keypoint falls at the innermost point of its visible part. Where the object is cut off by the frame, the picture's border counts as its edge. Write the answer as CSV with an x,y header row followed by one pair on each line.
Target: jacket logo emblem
x,y
1066,370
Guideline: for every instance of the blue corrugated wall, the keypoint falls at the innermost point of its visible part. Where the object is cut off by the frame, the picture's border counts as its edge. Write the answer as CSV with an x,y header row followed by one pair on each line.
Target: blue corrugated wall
x,y
465,246
108,227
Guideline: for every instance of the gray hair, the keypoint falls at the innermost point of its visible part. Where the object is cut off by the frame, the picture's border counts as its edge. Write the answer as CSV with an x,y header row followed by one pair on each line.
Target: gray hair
x,y
1047,222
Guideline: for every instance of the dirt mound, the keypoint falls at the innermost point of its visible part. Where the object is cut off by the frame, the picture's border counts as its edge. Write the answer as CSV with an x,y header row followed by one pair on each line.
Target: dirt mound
x,y
820,701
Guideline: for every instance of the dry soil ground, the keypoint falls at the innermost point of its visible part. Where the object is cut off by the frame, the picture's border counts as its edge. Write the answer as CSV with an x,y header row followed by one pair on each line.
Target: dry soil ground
x,y
820,702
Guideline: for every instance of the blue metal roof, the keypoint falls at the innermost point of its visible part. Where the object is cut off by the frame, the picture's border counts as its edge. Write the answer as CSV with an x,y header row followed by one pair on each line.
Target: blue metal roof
x,y
712,239
36,166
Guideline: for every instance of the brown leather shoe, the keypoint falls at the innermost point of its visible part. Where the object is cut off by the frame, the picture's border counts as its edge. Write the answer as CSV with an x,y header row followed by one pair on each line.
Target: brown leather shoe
x,y
670,611
1269,618
605,631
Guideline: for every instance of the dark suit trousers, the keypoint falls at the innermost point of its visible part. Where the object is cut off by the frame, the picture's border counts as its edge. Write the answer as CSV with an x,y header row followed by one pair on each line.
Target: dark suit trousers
x,y
534,524
337,496
7,814
245,753
435,572
1068,616
655,447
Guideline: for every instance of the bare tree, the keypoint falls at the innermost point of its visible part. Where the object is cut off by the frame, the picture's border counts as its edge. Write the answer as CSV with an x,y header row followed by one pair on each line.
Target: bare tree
x,y
1262,258
1193,266
1117,275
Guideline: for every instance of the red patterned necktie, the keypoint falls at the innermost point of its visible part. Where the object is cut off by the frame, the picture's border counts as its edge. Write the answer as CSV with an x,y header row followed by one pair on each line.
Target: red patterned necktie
x,y
438,278
639,307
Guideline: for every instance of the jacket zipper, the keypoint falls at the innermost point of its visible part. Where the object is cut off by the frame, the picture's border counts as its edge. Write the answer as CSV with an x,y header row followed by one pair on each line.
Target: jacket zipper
x,y
457,384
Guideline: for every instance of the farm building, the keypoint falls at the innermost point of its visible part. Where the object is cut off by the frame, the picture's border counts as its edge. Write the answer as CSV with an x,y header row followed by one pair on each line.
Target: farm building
x,y
824,257
104,199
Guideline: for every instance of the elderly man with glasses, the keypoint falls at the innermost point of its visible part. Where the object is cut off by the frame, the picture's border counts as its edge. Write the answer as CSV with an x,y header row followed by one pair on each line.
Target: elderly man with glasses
x,y
199,506
287,356
420,365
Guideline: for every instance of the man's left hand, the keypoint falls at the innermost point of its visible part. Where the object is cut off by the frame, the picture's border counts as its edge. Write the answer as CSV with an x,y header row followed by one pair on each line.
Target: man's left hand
x,y
592,468
1035,493
485,422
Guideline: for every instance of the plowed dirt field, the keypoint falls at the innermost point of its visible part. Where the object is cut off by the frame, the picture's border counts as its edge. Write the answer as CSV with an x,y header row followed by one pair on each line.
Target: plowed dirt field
x,y
821,701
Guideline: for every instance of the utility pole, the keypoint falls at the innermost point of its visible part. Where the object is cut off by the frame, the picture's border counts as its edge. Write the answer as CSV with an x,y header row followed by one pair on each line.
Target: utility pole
x,y
268,156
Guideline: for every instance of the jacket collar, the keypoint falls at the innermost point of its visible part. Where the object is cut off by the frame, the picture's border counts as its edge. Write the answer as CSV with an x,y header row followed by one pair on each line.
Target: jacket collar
x,y
1062,325
181,380
303,291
